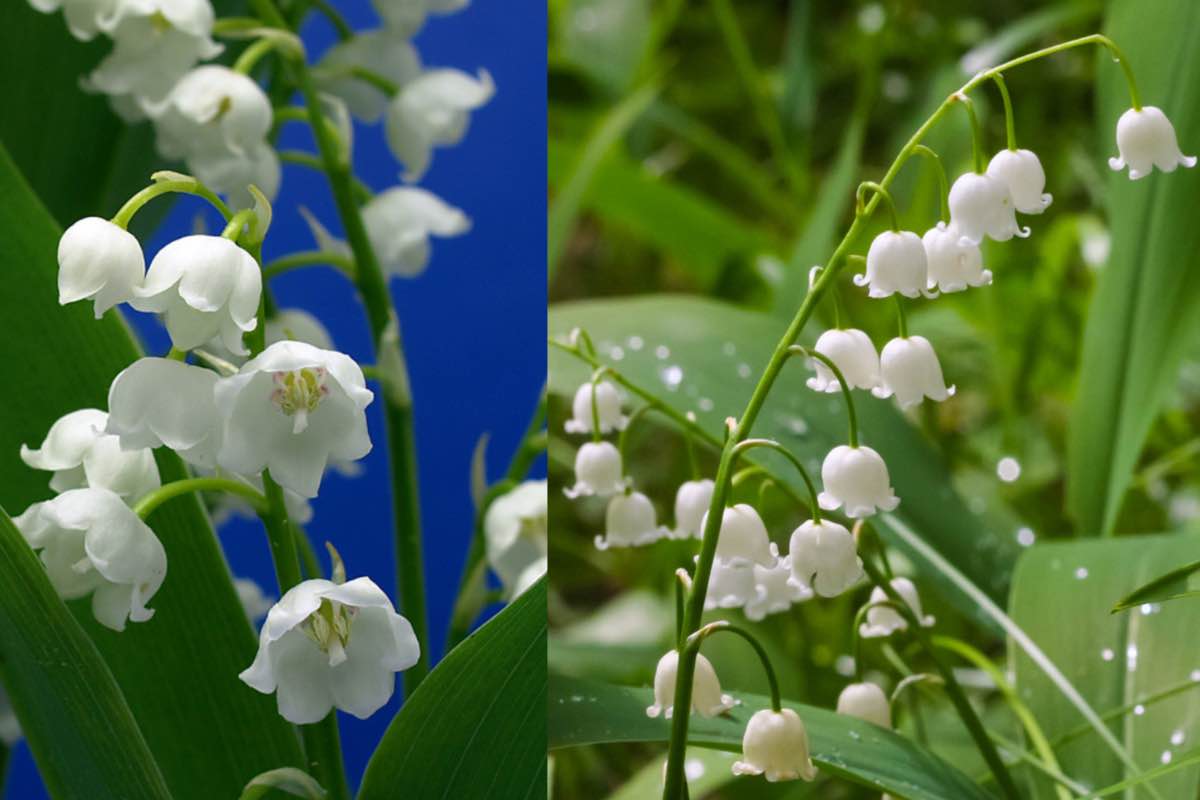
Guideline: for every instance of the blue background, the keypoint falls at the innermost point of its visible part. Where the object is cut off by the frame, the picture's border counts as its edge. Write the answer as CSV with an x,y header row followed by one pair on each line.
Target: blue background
x,y
474,323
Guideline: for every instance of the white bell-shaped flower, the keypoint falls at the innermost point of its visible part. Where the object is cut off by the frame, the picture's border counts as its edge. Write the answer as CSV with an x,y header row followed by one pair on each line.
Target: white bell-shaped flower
x,y
399,223
1022,173
254,601
297,325
981,205
911,372
707,700
100,261
290,410
885,620
159,401
92,543
775,746
743,536
205,287
955,262
327,645
853,353
79,453
777,590
515,531
608,409
386,52
630,521
823,555
597,471
731,584
431,110
1145,140
857,478
691,504
895,265
155,42
407,16
82,16
865,701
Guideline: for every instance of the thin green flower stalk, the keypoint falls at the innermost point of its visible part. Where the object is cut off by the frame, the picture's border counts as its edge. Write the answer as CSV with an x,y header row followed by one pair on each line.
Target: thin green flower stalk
x,y
933,158
1010,126
150,503
691,648
675,783
168,183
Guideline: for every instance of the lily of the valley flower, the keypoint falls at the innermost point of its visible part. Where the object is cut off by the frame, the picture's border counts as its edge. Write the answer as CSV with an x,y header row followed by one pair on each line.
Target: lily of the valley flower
x,y
82,16
865,701
433,110
1022,173
205,287
155,42
823,555
290,410
100,261
297,325
515,530
743,536
911,372
1145,140
855,356
597,471
92,543
777,590
399,223
857,478
407,16
884,620
707,700
955,262
630,521
159,401
386,52
218,120
79,453
732,584
691,503
775,746
608,409
981,205
327,645
896,264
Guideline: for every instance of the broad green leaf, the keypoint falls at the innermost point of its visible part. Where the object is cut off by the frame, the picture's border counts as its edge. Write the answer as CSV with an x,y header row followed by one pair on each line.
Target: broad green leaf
x,y
285,780
1178,583
209,732
704,357
606,39
586,712
72,712
1061,596
1143,316
476,727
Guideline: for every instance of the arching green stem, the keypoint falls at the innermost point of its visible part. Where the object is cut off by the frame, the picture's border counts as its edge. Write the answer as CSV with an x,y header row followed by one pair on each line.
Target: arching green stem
x,y
1010,127
977,143
250,57
915,679
749,444
344,31
184,185
851,414
930,155
694,641
150,502
309,258
863,209
380,82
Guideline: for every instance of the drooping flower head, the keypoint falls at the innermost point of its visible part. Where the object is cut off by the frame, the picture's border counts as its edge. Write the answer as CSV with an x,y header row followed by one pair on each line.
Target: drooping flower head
x,y
399,223
743,536
93,544
895,265
777,590
981,205
292,409
911,372
823,555
597,471
82,16
205,287
857,478
608,409
159,401
515,529
327,645
855,356
955,262
433,110
386,52
100,261
732,584
630,521
884,620
1022,173
406,17
80,454
707,700
1145,140
691,503
865,701
775,746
